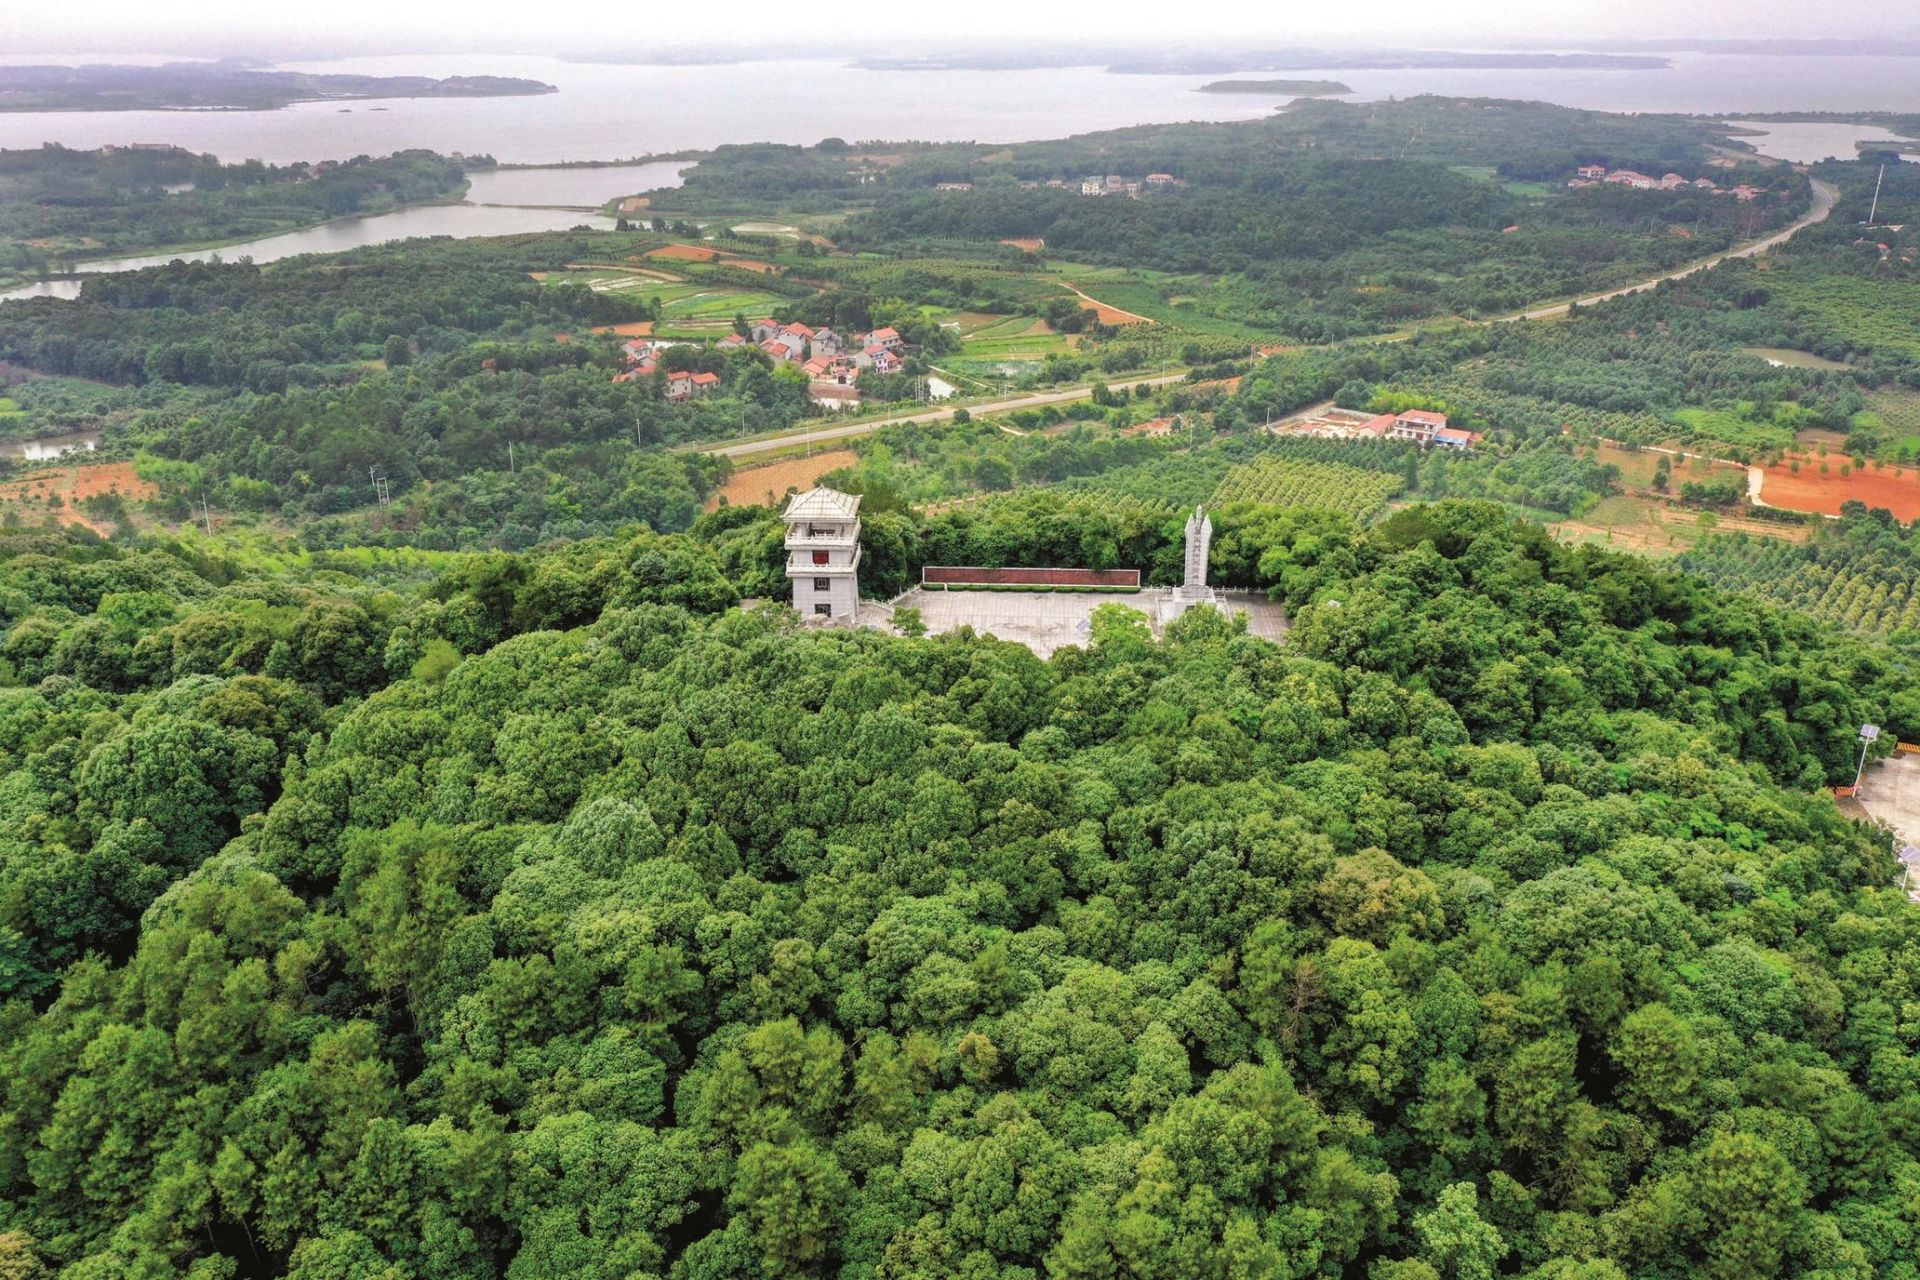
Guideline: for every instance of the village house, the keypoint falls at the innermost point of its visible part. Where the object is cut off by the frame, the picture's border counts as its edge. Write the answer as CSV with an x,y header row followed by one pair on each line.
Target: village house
x,y
1593,175
953,186
1161,179
680,384
879,359
702,383
888,337
732,342
1092,187
1417,425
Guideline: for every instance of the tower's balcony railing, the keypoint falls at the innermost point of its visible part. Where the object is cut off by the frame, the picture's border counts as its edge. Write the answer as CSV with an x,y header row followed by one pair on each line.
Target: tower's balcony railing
x,y
801,564
798,536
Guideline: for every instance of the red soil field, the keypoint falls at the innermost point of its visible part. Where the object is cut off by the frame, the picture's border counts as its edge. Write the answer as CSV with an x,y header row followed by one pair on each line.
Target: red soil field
x,y
1812,491
632,329
74,484
683,253
769,484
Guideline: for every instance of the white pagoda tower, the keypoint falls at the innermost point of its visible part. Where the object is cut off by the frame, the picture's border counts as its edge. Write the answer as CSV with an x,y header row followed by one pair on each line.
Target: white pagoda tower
x,y
823,553
1193,588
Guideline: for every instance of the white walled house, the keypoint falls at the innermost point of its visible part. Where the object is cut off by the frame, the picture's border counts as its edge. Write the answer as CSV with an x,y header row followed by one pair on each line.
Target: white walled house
x,y
823,553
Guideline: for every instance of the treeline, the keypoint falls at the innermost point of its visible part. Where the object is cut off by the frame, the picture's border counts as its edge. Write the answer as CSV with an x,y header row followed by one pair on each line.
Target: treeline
x,y
58,205
267,328
1491,928
1314,208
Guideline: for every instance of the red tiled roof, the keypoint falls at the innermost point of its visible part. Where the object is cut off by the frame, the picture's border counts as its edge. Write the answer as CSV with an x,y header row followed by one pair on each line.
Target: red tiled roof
x,y
705,379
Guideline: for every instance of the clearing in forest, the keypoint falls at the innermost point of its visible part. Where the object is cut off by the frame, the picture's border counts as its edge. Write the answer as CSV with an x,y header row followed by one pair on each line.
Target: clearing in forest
x,y
75,484
1105,313
1809,489
768,485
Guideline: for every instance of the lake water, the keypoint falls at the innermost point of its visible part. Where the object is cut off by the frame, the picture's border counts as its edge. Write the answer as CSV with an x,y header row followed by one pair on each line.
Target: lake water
x,y
1813,141
579,188
608,112
605,112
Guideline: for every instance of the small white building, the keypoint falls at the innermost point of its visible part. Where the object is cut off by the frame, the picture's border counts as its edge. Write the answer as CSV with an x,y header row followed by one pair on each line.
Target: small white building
x,y
823,553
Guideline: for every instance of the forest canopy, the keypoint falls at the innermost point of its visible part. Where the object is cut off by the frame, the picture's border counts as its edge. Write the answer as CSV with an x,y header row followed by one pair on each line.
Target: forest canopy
x,y
543,915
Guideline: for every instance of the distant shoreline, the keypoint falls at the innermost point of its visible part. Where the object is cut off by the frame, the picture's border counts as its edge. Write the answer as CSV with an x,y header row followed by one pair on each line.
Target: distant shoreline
x,y
215,87
1284,88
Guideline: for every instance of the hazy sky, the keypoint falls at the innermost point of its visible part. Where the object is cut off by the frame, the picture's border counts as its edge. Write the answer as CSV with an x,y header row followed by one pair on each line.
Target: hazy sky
x,y
268,28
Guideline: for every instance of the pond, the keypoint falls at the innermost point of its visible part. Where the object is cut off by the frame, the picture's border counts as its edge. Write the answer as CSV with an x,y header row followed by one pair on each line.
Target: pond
x,y
49,447
1788,358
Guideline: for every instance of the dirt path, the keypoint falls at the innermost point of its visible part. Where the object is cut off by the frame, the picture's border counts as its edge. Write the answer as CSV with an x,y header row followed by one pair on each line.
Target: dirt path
x,y
1107,313
1823,198
666,277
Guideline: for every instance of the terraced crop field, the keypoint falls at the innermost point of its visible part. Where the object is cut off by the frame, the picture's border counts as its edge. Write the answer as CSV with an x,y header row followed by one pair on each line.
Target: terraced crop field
x,y
1327,486
1013,338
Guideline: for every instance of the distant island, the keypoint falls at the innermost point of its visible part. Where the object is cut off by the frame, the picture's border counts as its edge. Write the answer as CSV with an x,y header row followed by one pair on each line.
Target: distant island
x,y
1385,60
1187,62
225,86
1280,88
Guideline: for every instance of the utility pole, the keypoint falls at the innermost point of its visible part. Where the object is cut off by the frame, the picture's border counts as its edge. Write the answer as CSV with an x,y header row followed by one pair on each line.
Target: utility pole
x,y
510,466
206,514
1874,209
1868,732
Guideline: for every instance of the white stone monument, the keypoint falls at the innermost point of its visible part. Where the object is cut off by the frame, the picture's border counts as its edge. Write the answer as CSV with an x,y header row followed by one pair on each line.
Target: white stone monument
x,y
823,553
1193,588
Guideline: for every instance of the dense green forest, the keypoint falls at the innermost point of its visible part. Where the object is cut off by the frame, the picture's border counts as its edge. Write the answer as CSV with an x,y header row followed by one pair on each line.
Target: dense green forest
x,y
468,887
58,205
535,916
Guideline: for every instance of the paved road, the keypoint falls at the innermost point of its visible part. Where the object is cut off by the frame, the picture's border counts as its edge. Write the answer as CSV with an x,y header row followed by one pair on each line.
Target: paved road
x,y
851,429
1823,198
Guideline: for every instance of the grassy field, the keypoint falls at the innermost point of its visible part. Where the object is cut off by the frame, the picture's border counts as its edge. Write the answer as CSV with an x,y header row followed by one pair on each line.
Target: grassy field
x,y
1897,413
1013,338
1729,428
1655,528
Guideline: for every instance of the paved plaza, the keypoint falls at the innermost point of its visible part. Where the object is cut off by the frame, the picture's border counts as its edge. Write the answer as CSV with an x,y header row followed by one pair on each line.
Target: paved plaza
x,y
1046,620
1890,793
